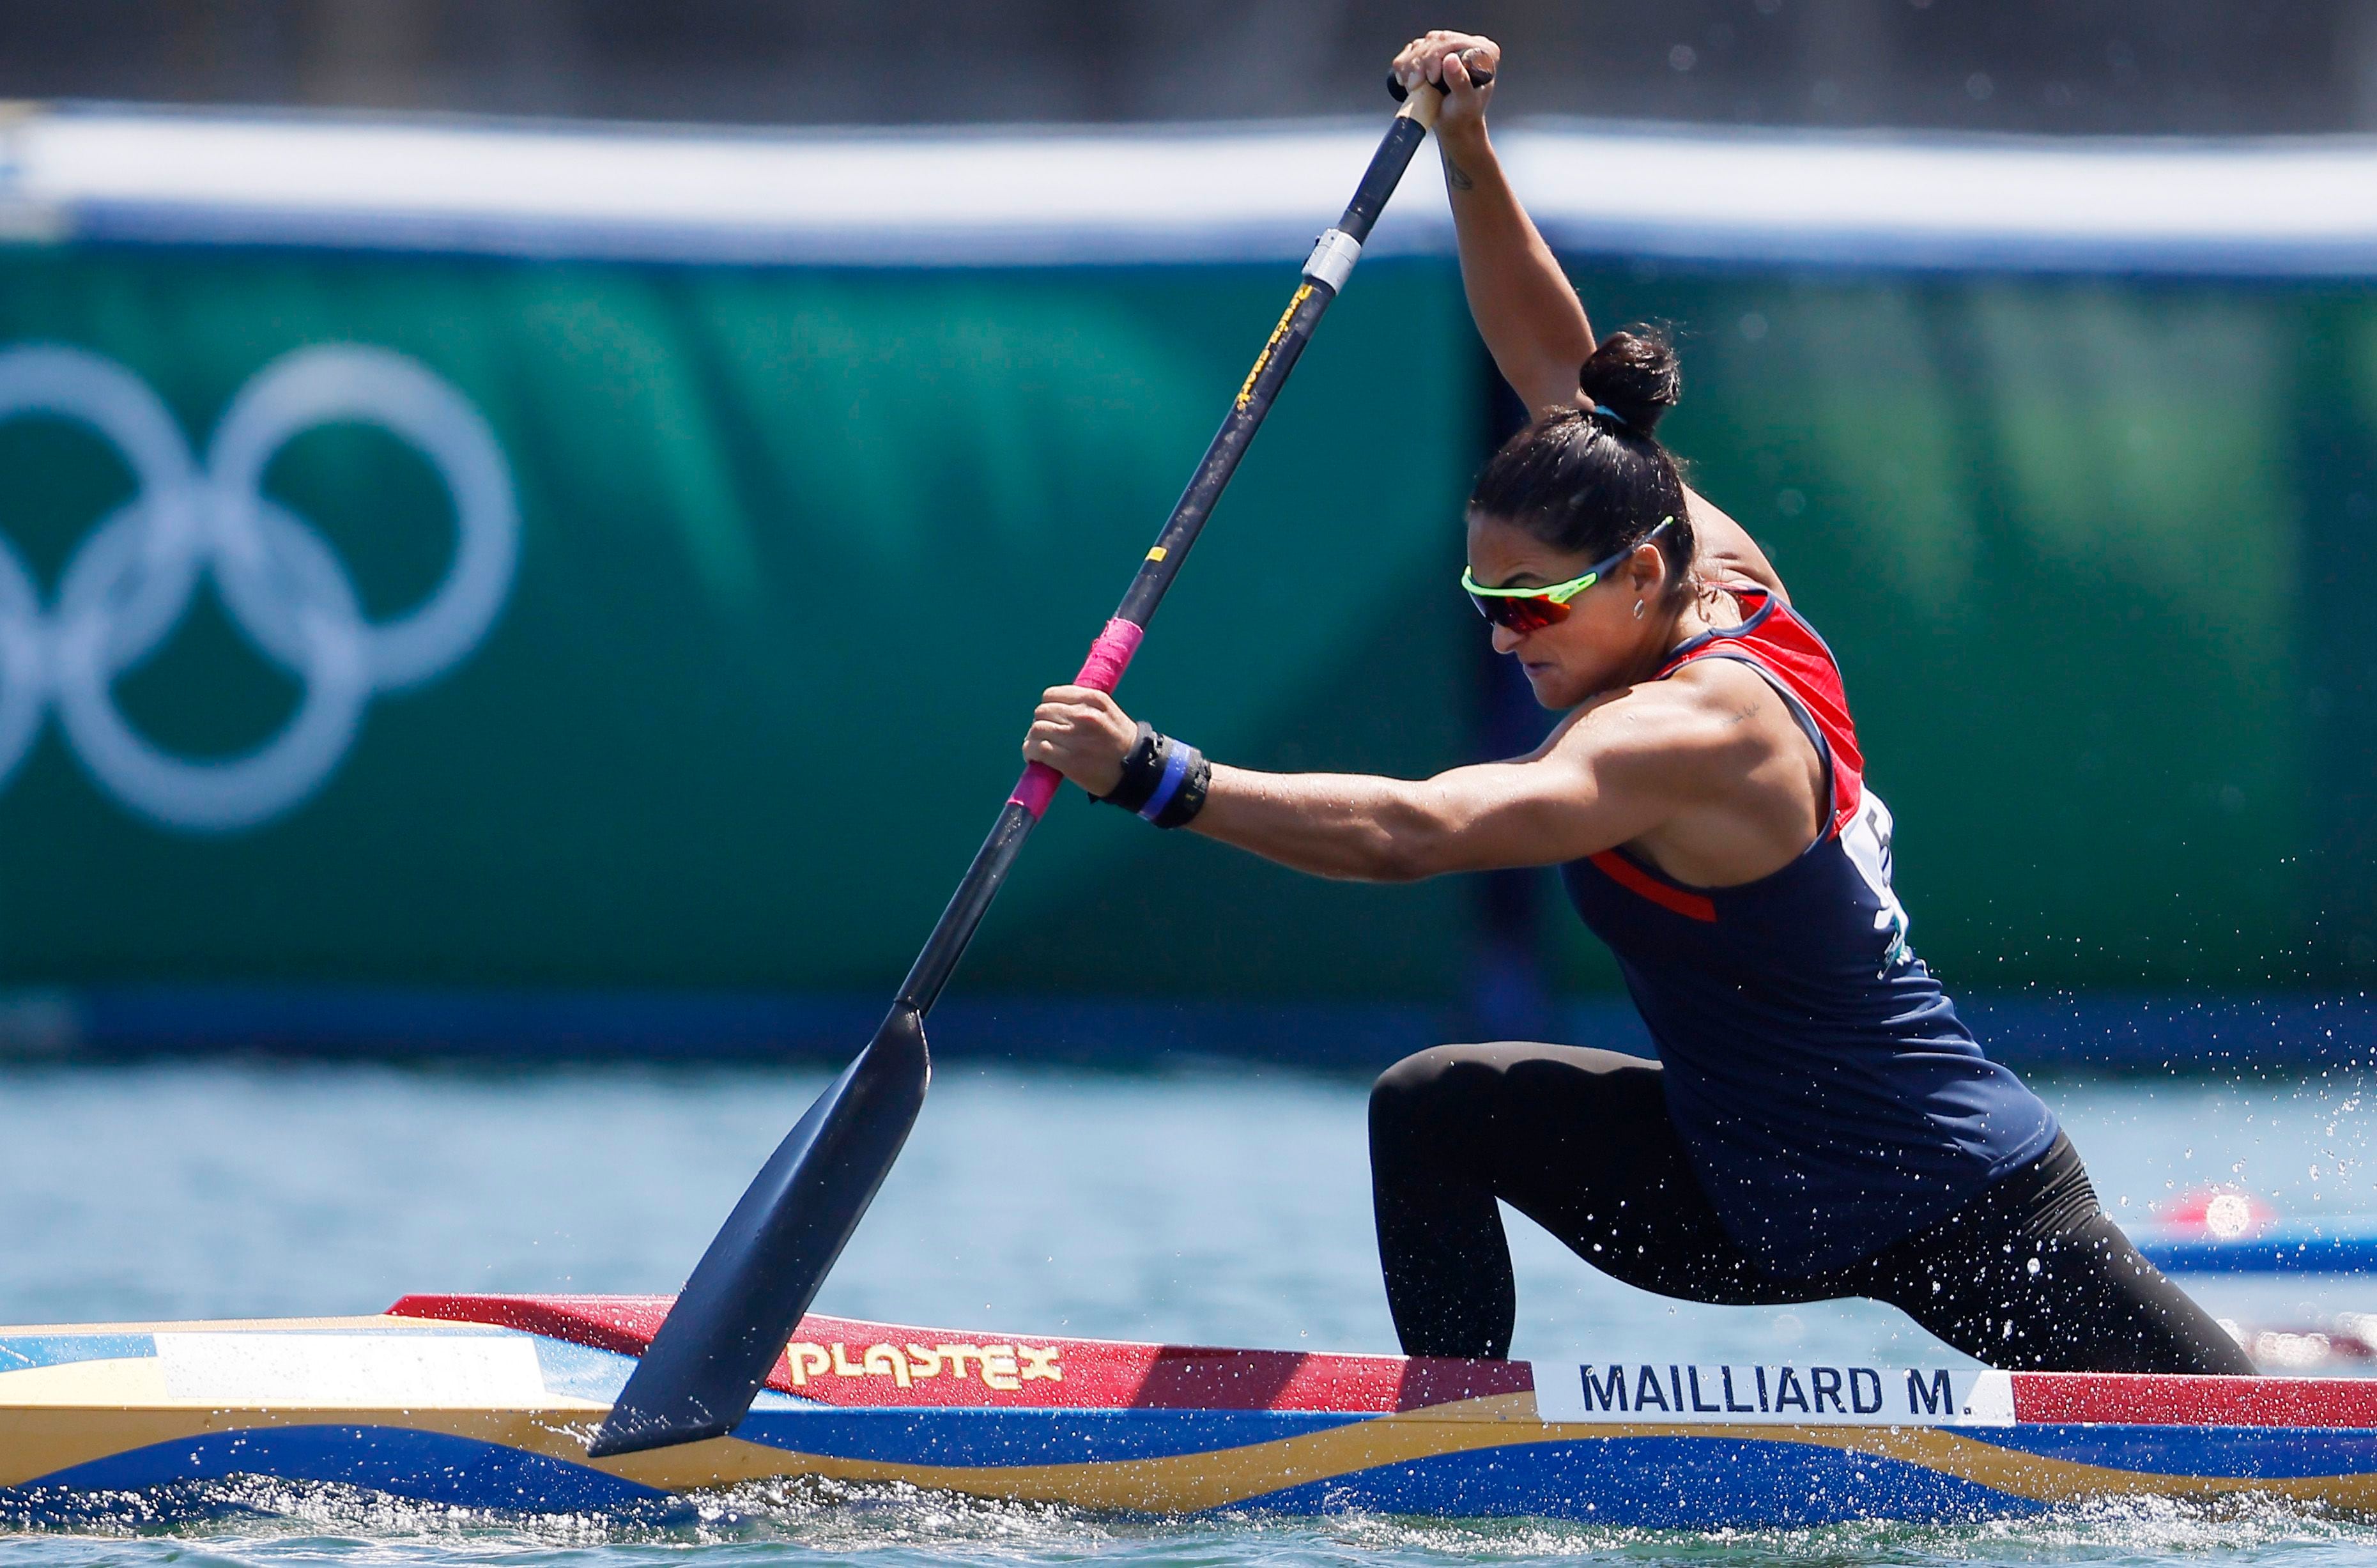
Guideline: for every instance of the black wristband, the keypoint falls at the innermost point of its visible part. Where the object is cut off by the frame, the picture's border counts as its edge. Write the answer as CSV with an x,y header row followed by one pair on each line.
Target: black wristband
x,y
1163,779
1142,769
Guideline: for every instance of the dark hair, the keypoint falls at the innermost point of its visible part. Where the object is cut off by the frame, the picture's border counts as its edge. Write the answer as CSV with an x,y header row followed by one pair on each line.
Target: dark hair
x,y
1593,481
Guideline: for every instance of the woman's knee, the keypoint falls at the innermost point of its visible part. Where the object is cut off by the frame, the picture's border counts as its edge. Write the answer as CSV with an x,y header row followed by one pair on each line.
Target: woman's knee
x,y
1439,1089
1519,1082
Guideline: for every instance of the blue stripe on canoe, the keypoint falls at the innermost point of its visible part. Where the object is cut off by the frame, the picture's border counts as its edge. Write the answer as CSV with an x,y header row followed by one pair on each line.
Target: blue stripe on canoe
x,y
983,1438
19,1351
1658,1483
2243,1453
987,1438
432,1467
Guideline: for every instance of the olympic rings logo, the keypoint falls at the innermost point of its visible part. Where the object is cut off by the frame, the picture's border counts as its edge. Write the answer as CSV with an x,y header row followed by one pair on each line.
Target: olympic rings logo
x,y
129,582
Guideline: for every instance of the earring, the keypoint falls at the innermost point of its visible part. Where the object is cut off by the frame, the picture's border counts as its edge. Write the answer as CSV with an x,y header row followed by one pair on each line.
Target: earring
x,y
1637,609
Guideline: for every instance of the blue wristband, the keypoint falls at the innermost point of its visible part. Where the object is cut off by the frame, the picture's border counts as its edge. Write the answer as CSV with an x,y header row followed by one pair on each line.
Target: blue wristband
x,y
1176,768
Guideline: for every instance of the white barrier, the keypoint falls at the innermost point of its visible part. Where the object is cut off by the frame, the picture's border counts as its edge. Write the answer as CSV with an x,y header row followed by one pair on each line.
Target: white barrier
x,y
2270,207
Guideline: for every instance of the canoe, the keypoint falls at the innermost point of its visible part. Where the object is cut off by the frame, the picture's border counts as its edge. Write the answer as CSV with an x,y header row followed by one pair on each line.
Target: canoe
x,y
487,1401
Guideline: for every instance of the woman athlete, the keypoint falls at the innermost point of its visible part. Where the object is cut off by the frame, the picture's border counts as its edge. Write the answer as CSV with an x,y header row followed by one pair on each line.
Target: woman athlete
x,y
1819,1123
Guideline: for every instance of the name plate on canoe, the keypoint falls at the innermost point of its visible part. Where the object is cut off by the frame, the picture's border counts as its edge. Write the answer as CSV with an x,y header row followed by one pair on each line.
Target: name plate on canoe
x,y
1795,1393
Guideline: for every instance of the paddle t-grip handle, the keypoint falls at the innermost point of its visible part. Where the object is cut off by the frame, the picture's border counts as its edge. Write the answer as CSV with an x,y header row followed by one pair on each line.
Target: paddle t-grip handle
x,y
1478,76
1102,671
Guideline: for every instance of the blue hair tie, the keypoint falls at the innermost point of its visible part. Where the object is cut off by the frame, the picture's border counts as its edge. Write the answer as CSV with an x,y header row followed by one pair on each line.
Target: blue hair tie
x,y
1613,414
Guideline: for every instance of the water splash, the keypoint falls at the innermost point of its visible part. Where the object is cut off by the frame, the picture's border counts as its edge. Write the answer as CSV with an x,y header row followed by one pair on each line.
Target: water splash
x,y
819,1523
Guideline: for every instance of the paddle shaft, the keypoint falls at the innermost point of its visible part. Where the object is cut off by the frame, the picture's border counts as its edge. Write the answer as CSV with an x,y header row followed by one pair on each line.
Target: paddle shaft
x,y
1110,656
744,1299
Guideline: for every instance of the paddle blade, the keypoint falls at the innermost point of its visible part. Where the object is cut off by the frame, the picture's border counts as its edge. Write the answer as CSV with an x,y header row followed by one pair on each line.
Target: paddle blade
x,y
714,1352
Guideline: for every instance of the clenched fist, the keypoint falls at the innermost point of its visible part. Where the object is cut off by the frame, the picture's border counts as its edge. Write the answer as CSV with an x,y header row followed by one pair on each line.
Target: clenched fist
x,y
1081,733
1447,57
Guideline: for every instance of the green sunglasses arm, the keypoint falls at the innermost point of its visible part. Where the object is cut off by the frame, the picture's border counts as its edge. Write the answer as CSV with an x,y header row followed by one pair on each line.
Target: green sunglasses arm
x,y
1558,592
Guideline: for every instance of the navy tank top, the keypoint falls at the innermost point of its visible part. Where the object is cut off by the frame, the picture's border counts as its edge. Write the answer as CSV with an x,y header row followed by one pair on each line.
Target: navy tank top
x,y
1831,1099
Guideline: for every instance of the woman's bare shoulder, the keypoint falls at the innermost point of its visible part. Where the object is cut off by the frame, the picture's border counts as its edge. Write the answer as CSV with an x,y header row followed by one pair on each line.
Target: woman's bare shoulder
x,y
1726,551
1709,719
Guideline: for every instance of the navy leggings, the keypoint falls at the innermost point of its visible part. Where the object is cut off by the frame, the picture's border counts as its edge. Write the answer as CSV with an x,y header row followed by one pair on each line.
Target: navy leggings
x,y
2030,1273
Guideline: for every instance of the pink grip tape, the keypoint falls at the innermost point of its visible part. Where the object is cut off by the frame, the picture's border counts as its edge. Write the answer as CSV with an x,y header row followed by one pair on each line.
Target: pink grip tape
x,y
1035,789
1109,656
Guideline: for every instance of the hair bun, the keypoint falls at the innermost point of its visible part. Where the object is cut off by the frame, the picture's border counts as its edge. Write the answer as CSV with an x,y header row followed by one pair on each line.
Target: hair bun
x,y
1634,375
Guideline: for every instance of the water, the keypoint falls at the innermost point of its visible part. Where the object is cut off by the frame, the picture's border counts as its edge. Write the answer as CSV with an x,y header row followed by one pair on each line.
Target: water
x,y
1228,1205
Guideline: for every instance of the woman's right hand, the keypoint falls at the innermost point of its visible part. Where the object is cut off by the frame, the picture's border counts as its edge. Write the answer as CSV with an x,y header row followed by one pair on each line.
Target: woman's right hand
x,y
1083,734
1437,57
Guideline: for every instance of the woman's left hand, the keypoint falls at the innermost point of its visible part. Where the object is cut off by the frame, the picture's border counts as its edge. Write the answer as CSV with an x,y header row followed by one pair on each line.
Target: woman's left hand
x,y
1451,58
1081,732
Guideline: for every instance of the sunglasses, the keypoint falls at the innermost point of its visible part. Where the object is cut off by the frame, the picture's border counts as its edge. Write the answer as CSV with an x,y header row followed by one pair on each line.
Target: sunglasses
x,y
1532,609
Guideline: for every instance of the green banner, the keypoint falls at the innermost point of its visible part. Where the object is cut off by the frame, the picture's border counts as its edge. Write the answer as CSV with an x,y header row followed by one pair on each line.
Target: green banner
x,y
793,553
426,621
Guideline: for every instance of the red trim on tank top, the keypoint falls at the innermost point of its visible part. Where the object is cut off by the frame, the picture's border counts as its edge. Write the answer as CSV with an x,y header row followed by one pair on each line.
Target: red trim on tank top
x,y
1691,648
1789,650
1633,879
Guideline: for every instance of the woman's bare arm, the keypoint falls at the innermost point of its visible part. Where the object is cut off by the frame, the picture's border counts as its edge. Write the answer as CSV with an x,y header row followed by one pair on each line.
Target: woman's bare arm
x,y
1617,771
1359,827
1532,321
1530,317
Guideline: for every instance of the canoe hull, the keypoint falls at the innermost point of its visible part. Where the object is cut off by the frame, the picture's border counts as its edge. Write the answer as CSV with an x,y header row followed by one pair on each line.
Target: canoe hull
x,y
488,1402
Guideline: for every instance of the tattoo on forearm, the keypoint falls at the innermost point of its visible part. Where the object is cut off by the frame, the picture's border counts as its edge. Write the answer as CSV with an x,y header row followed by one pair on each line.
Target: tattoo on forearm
x,y
1457,177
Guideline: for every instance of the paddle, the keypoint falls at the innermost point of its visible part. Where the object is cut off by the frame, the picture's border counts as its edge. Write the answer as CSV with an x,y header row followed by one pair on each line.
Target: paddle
x,y
714,1349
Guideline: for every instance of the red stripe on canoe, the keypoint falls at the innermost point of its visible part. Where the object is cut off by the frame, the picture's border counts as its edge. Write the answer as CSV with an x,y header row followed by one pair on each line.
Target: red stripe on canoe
x,y
848,1362
2169,1399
